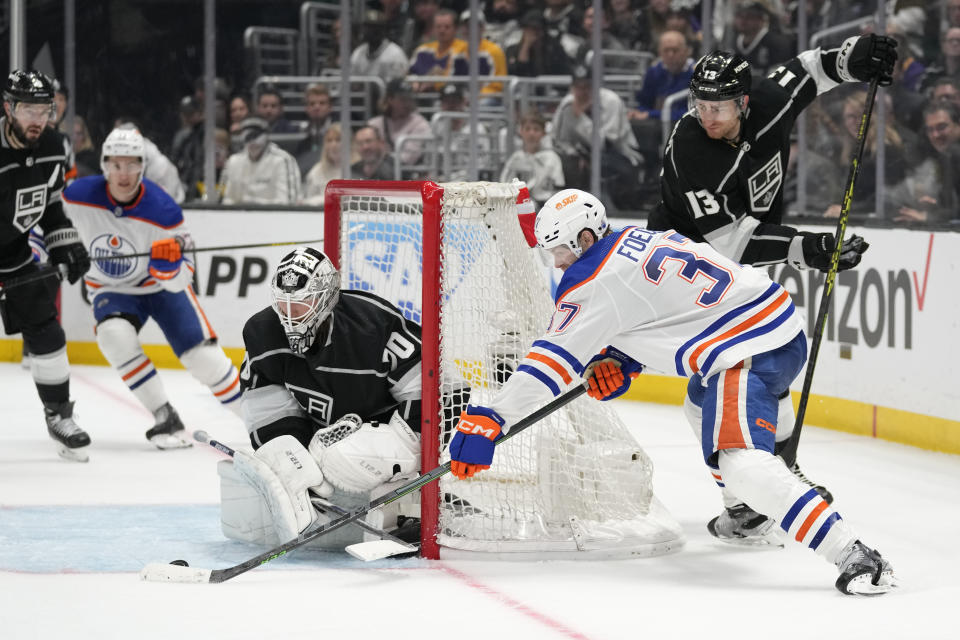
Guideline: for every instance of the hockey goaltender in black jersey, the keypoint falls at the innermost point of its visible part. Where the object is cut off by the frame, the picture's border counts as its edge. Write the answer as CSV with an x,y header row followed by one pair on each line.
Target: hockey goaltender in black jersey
x,y
728,189
348,352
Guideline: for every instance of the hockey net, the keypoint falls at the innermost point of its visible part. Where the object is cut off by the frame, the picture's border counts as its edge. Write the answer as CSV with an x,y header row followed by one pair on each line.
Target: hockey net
x,y
453,258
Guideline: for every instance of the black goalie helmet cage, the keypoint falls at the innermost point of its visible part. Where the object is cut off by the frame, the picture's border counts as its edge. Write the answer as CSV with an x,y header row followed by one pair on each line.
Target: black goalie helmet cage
x,y
720,75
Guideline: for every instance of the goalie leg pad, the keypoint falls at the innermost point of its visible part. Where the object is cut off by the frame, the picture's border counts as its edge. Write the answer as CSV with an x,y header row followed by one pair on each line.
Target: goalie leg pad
x,y
763,482
282,471
210,365
119,344
371,456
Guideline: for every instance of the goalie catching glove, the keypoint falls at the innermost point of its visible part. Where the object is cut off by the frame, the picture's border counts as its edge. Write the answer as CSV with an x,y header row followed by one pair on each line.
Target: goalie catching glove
x,y
471,449
610,374
815,250
369,455
283,472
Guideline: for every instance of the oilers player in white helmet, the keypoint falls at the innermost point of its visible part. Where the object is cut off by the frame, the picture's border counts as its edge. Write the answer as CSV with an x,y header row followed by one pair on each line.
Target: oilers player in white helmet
x,y
657,297
122,213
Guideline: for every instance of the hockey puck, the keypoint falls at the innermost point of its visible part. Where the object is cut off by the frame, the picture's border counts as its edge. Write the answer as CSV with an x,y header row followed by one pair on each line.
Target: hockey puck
x,y
180,563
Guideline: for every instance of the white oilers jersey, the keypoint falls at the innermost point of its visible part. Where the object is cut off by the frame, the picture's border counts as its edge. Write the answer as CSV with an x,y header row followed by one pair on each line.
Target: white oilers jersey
x,y
675,305
109,229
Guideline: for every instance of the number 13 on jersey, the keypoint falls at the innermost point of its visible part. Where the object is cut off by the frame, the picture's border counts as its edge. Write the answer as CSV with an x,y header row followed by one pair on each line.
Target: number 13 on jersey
x,y
702,203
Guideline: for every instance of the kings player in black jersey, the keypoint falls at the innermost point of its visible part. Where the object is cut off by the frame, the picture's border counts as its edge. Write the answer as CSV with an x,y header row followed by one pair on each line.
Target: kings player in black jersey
x,y
31,179
723,175
331,398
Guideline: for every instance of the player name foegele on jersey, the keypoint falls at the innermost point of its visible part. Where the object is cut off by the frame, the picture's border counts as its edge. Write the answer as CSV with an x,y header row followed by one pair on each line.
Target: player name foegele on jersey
x,y
31,180
672,304
710,184
367,361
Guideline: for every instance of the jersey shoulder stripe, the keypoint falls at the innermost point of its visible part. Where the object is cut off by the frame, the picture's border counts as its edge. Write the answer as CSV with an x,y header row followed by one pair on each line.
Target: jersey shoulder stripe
x,y
589,265
156,207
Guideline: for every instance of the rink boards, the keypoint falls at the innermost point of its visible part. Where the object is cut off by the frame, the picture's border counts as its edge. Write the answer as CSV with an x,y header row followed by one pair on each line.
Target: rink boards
x,y
884,368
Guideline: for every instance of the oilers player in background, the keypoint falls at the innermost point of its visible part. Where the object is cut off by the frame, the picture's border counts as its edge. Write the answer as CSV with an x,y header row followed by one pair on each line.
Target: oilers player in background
x,y
121,213
723,176
31,181
678,306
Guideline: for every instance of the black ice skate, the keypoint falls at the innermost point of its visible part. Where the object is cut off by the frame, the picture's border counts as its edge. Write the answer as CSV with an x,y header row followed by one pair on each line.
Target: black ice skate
x,y
741,525
822,490
863,571
168,432
70,438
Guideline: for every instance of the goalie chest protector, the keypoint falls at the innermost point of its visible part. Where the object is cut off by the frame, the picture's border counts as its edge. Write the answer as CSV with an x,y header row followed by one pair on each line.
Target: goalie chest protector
x,y
354,366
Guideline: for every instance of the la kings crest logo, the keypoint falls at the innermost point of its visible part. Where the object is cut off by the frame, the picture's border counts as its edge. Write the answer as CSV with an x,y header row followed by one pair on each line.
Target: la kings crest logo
x,y
318,405
30,203
765,183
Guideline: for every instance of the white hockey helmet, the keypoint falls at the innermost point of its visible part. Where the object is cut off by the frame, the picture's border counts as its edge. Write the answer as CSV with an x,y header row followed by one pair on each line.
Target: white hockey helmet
x,y
304,290
124,141
565,215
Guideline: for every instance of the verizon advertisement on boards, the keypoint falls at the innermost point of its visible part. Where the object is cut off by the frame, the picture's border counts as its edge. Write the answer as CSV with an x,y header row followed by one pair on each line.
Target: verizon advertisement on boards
x,y
892,337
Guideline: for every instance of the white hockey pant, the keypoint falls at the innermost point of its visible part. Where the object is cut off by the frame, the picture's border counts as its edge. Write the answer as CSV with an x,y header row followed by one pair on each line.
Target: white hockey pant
x,y
763,482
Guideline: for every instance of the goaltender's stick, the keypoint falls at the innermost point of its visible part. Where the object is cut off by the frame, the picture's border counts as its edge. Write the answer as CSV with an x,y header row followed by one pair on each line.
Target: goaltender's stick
x,y
158,572
390,545
790,450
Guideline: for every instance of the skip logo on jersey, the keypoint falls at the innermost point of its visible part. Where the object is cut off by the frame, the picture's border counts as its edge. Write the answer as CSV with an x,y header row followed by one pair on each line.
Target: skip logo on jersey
x,y
31,201
765,184
105,247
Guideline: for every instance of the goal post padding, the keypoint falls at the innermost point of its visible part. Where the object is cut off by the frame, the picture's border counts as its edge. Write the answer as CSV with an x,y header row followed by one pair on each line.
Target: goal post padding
x,y
454,258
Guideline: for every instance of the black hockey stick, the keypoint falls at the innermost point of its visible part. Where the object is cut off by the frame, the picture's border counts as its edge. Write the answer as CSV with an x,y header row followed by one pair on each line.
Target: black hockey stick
x,y
178,573
376,552
790,450
229,247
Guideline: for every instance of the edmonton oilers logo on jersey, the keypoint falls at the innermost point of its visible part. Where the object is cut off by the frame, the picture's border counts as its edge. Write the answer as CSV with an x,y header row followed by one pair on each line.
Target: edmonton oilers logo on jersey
x,y
109,245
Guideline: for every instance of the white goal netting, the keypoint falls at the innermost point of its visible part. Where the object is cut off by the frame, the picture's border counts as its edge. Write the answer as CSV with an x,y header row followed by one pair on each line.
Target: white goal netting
x,y
576,484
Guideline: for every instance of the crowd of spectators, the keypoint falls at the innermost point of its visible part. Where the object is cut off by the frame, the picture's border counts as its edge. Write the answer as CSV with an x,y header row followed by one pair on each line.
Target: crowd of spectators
x,y
269,154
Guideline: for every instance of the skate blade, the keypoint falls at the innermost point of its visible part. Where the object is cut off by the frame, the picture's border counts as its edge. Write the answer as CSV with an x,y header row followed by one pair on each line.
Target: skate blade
x,y
863,585
73,455
766,541
164,441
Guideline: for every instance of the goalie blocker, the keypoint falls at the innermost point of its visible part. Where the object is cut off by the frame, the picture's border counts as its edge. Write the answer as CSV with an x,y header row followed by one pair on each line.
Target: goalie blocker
x,y
266,495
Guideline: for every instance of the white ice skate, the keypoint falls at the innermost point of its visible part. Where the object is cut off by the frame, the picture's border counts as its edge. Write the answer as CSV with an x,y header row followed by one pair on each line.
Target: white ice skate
x,y
71,440
863,572
168,432
741,525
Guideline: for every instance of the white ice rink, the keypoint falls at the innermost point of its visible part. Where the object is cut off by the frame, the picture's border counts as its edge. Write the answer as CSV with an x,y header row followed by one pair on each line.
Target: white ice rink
x,y
74,536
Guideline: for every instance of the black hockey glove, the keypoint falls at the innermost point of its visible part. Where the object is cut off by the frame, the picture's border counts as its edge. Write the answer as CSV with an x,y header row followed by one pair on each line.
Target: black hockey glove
x,y
65,248
866,57
818,248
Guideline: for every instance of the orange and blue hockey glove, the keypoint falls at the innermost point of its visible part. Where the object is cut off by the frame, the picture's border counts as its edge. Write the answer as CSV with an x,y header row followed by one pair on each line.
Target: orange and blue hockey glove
x,y
165,258
610,374
471,448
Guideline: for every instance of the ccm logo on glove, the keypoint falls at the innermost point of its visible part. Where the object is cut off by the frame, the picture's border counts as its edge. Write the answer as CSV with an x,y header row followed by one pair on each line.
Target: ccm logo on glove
x,y
483,427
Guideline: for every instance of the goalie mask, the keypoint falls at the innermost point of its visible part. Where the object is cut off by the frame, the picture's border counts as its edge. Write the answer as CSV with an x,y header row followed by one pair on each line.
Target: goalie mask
x,y
305,289
565,215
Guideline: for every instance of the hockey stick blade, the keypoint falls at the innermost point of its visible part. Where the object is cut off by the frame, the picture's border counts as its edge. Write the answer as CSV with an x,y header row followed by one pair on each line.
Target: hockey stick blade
x,y
159,572
222,575
379,549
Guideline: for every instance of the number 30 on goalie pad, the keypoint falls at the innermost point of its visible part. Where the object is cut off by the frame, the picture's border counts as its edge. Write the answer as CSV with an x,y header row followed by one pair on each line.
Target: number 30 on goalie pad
x,y
282,471
370,456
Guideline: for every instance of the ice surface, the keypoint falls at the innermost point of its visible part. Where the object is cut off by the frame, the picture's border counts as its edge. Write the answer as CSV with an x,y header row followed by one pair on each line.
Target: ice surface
x,y
73,537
